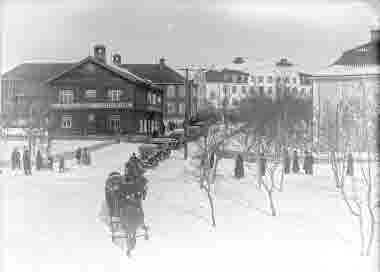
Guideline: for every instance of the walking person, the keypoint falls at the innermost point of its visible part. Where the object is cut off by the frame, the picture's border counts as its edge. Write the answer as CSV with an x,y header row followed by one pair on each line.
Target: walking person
x,y
286,162
261,168
78,154
38,160
83,157
306,163
27,162
350,165
61,167
311,163
296,166
13,159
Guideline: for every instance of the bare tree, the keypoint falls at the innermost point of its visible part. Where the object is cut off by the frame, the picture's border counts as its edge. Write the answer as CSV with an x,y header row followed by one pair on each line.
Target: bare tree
x,y
355,125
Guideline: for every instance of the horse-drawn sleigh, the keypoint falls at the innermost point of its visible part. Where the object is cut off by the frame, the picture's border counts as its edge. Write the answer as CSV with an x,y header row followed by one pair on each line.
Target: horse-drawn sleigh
x,y
124,196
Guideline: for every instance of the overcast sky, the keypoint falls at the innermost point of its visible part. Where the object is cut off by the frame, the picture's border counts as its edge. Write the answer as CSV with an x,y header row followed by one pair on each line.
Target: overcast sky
x,y
311,33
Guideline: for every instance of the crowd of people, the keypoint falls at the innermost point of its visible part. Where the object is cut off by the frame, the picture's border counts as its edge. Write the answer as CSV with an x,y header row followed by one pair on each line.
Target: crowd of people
x,y
23,161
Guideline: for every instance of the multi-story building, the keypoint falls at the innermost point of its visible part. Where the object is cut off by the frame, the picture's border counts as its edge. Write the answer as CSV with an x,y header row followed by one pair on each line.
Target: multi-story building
x,y
87,97
173,85
226,86
283,76
357,69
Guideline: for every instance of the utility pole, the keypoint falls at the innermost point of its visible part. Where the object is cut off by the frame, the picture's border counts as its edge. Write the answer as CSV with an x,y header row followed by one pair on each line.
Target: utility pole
x,y
187,111
188,106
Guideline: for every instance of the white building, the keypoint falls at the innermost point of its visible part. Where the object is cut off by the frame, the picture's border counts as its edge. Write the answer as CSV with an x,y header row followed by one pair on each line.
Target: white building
x,y
356,70
283,76
226,85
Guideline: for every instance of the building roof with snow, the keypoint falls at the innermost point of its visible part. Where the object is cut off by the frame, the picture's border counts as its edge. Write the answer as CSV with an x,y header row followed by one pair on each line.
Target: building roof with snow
x,y
363,60
157,73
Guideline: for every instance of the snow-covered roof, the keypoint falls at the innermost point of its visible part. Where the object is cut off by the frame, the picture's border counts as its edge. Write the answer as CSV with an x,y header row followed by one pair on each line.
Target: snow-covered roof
x,y
348,70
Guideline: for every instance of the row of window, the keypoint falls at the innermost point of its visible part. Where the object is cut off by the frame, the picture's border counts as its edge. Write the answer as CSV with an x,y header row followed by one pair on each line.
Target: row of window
x,y
172,108
67,96
170,91
270,79
153,99
235,78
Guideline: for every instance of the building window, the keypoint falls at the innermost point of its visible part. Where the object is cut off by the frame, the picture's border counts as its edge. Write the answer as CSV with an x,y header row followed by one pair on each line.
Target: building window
x,y
114,122
252,90
234,89
270,79
225,90
114,95
294,91
270,91
170,91
171,108
158,97
90,93
181,108
253,79
212,95
303,92
261,90
244,89
66,121
235,102
66,97
286,80
181,91
91,117
294,80
261,79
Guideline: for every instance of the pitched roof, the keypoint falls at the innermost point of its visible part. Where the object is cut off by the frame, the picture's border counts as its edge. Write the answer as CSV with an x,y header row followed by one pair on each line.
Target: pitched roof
x,y
219,75
37,71
155,73
366,54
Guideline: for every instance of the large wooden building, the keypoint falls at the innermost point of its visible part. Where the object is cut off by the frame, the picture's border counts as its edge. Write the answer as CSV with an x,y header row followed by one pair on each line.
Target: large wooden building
x,y
93,97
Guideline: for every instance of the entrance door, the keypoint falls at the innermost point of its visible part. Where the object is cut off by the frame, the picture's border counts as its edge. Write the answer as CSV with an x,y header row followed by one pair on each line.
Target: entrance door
x,y
114,123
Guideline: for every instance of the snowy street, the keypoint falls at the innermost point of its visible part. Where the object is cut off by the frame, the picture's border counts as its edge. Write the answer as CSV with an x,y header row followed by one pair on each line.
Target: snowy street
x,y
51,222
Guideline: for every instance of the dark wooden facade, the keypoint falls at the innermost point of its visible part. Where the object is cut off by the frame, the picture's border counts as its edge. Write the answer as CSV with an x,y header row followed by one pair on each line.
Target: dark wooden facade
x,y
94,98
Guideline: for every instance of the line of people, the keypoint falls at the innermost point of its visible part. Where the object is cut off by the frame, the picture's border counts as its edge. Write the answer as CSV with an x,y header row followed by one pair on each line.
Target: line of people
x,y
308,162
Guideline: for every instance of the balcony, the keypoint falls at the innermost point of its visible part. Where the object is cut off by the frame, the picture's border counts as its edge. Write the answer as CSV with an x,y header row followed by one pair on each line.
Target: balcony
x,y
97,105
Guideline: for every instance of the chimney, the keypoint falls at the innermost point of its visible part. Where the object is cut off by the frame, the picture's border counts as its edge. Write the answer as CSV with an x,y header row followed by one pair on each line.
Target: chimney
x,y
100,53
116,59
375,34
162,63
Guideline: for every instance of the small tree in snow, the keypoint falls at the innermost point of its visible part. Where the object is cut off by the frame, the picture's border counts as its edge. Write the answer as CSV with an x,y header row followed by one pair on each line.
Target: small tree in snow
x,y
356,127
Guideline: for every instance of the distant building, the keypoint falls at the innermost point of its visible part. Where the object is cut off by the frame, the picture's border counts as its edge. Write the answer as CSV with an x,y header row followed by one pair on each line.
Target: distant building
x,y
226,86
354,70
86,97
172,83
283,76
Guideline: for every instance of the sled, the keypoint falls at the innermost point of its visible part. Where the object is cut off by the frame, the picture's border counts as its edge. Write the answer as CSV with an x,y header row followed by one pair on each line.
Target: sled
x,y
124,197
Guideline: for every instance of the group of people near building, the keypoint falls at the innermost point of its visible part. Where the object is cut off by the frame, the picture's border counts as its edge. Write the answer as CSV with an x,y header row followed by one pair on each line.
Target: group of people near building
x,y
290,164
16,160
83,156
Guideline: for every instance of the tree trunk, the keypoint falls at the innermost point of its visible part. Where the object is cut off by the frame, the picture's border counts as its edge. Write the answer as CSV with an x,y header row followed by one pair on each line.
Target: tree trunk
x,y
211,203
372,230
273,210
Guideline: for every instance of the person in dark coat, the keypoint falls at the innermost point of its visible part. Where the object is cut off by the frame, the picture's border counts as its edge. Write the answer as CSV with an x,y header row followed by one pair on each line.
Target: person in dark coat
x,y
78,154
350,165
311,163
26,162
296,166
18,159
286,162
306,163
212,159
239,167
61,167
50,162
13,159
263,164
83,157
38,160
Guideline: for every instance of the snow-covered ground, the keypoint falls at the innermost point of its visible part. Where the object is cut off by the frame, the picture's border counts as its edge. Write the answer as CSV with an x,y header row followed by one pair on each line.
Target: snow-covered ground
x,y
51,223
